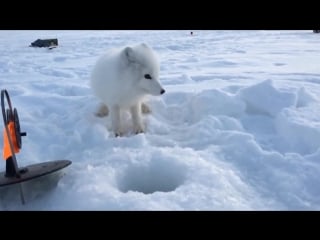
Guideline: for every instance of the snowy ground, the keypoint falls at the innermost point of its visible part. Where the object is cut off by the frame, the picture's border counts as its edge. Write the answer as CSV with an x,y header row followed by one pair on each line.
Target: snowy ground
x,y
237,129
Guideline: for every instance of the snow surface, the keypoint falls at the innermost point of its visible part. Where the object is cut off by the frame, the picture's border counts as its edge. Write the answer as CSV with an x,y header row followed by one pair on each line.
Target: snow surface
x,y
237,129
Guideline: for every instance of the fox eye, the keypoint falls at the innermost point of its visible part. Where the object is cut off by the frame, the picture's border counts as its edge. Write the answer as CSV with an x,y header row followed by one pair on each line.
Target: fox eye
x,y
147,76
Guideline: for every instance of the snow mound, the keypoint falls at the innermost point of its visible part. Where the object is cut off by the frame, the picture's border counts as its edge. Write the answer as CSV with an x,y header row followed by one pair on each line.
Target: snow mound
x,y
304,98
263,98
297,131
215,102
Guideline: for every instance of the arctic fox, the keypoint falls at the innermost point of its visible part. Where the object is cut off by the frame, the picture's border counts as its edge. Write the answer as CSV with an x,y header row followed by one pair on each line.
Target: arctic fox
x,y
121,79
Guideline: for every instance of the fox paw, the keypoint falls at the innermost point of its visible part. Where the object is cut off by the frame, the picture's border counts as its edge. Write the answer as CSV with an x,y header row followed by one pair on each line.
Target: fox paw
x,y
103,111
138,130
118,134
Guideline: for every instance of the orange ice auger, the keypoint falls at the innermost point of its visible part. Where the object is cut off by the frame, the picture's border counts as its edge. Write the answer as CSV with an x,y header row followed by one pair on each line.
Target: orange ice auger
x,y
11,136
12,145
7,152
6,145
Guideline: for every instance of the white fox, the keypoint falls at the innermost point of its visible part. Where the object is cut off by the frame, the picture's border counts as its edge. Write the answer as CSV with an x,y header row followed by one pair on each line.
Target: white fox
x,y
121,79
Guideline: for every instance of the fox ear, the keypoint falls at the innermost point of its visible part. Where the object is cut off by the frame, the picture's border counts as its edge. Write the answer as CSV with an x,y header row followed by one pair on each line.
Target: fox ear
x,y
129,53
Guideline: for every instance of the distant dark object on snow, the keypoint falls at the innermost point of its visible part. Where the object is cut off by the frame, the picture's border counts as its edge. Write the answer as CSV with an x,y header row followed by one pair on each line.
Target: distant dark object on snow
x,y
191,33
316,31
45,43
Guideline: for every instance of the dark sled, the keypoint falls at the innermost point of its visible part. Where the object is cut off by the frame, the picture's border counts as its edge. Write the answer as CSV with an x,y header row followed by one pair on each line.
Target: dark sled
x,y
50,43
33,171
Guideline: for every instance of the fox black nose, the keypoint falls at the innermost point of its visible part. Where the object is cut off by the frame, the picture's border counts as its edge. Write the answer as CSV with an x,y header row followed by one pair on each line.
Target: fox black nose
x,y
162,91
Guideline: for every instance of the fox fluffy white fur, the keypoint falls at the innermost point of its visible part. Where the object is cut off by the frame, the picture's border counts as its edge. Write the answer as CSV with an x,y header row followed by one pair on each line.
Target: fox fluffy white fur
x,y
121,79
